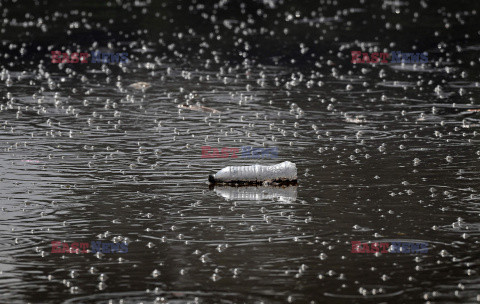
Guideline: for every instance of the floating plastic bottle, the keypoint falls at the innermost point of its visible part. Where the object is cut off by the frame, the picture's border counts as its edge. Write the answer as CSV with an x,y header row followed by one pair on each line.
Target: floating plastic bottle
x,y
285,172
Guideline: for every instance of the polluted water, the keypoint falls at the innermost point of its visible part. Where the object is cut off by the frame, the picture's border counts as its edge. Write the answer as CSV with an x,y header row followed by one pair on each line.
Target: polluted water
x,y
108,110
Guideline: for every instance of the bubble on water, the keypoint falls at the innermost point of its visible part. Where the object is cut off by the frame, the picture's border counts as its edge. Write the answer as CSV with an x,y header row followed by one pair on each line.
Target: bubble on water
x,y
102,277
156,273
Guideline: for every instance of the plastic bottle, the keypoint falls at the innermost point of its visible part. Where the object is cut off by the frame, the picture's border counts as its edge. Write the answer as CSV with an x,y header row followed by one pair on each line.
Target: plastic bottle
x,y
256,174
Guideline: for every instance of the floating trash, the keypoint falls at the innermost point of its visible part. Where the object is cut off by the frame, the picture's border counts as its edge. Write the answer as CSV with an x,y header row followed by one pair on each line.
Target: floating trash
x,y
285,172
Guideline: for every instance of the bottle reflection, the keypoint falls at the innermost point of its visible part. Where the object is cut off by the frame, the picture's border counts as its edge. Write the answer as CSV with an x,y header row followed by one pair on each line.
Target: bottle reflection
x,y
284,193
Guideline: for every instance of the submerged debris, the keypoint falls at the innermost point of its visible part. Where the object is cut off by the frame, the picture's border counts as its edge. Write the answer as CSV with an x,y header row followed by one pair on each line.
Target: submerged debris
x,y
199,108
355,119
140,85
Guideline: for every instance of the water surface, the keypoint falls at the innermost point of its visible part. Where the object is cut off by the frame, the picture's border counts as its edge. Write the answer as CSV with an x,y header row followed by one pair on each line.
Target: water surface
x,y
385,152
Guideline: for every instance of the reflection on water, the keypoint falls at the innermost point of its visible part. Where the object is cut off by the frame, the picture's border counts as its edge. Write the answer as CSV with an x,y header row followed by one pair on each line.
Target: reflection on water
x,y
104,152
257,193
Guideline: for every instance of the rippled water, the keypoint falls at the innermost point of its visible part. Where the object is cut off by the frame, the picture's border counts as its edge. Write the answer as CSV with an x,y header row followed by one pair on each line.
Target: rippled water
x,y
385,152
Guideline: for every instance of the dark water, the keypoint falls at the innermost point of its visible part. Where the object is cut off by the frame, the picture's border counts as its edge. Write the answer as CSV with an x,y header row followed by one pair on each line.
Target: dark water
x,y
385,152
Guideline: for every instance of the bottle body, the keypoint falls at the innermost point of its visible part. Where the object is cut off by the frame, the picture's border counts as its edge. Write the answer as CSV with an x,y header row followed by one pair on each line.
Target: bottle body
x,y
282,172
